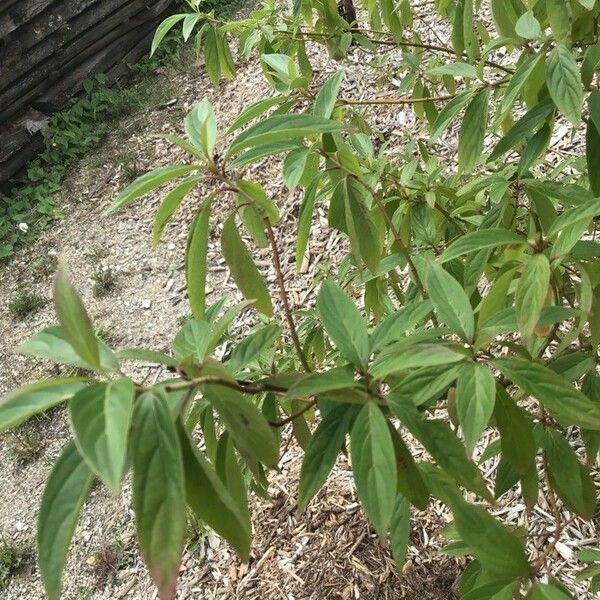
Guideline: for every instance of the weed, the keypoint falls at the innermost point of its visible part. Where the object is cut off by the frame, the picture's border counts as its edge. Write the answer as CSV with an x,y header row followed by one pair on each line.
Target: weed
x,y
27,446
96,255
44,265
107,334
129,165
24,302
106,562
13,560
105,281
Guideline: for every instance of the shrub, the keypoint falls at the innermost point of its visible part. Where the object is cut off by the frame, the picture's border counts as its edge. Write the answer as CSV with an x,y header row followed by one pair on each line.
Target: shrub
x,y
24,302
478,308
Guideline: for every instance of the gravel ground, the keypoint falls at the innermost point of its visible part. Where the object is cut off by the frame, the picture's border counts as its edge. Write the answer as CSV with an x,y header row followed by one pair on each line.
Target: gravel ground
x,y
329,552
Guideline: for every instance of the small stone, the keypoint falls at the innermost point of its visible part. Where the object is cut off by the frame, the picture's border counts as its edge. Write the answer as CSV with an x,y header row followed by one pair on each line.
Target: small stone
x,y
171,246
146,303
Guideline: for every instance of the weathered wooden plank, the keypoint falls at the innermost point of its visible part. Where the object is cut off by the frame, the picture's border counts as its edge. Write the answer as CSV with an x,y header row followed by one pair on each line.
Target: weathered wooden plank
x,y
100,18
19,13
36,83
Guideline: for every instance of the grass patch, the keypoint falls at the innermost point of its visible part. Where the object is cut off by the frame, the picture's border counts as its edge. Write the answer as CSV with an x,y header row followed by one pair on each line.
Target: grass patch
x,y
105,281
27,444
14,559
24,303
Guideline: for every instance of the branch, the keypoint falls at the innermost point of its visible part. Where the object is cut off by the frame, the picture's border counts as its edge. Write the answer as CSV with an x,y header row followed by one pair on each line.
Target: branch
x,y
240,386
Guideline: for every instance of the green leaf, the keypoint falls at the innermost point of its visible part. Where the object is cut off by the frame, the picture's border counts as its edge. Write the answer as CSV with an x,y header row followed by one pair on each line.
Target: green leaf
x,y
439,440
196,256
339,378
148,182
592,153
343,323
255,110
475,398
192,341
158,491
67,489
559,17
201,127
546,591
282,127
531,293
361,229
455,70
527,26
564,83
34,398
247,426
480,240
322,452
450,301
243,270
415,356
151,356
516,433
584,212
327,96
163,29
51,343
74,319
566,403
170,204
252,346
472,132
257,194
568,477
516,83
374,466
589,555
210,500
212,61
523,128
498,549
448,113
396,325
400,532
305,220
101,416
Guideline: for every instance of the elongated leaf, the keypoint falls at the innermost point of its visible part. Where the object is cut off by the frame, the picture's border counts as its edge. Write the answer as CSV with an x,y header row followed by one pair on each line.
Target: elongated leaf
x,y
374,466
523,128
340,378
247,426
158,491
196,256
568,477
170,204
201,127
566,403
527,26
414,357
34,398
243,270
472,132
163,29
148,182
343,323
281,127
584,212
101,416
531,293
327,96
397,324
66,491
546,591
516,433
400,532
51,343
450,301
360,227
322,451
151,356
439,440
74,319
592,153
480,240
475,398
252,346
305,220
210,500
515,86
255,110
564,83
448,113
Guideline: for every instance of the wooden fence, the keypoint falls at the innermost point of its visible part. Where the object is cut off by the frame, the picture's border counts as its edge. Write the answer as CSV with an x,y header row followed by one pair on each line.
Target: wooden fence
x,y
48,48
